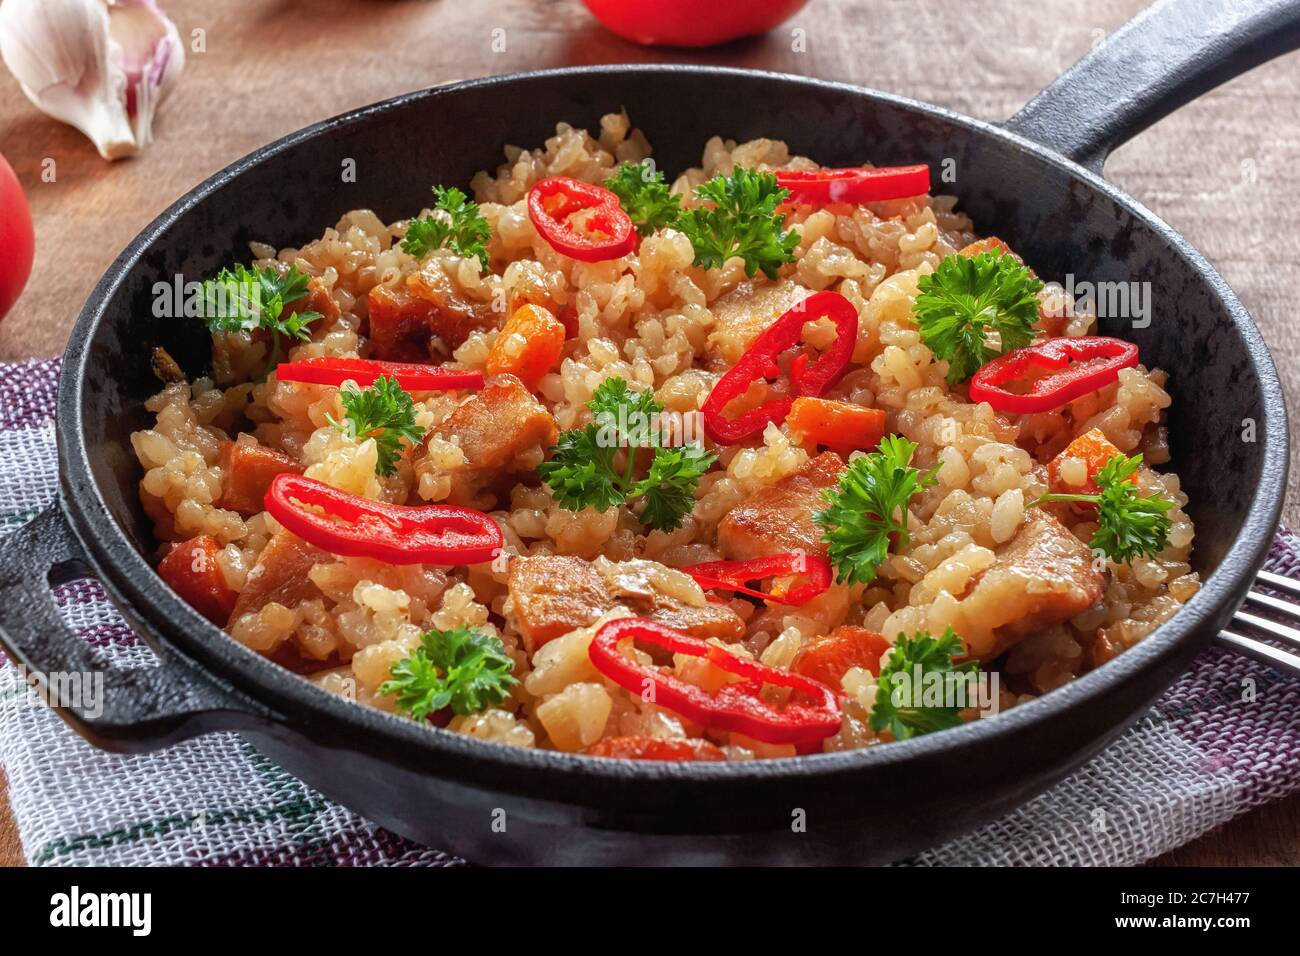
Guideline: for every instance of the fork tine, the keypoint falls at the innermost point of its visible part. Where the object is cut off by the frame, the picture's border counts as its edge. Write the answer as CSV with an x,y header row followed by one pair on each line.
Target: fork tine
x,y
1273,629
1275,604
1260,651
1289,585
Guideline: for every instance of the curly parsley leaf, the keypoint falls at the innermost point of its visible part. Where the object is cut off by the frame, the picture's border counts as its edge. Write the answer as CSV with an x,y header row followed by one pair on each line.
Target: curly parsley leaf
x,y
1129,525
669,488
896,708
868,509
241,299
966,298
742,221
463,669
384,412
455,223
582,471
644,196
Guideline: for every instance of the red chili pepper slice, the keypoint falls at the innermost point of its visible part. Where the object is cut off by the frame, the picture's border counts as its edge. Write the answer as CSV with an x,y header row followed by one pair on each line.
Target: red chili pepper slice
x,y
1098,360
820,187
412,377
358,527
552,201
732,575
759,362
735,707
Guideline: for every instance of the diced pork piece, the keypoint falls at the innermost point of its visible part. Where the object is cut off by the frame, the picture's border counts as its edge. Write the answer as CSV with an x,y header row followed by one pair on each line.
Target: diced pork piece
x,y
455,316
989,244
779,518
280,575
748,309
552,595
711,620
318,300
247,470
191,570
400,325
1044,576
494,427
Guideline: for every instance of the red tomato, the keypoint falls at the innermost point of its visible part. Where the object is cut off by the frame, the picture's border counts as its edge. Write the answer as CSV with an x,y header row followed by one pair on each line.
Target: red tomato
x,y
16,239
691,22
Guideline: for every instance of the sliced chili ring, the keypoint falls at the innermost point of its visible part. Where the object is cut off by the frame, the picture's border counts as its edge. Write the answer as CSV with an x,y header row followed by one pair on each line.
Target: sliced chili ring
x,y
353,526
759,362
738,706
411,376
855,185
552,201
733,575
1076,367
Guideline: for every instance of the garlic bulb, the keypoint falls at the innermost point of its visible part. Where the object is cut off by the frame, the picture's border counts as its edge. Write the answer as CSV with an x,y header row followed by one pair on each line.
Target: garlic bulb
x,y
101,65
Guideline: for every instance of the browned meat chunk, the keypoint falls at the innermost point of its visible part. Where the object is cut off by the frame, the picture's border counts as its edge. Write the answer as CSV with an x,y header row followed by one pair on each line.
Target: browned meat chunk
x,y
711,620
748,309
280,575
454,316
779,518
399,325
493,428
1044,576
553,595
247,470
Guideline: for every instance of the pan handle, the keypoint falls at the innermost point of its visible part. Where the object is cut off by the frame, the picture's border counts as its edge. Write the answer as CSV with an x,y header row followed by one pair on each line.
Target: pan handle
x,y
127,709
1166,56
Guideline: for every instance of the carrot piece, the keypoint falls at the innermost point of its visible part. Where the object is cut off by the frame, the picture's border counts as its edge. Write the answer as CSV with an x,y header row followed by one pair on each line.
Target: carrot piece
x,y
529,345
837,425
828,659
401,325
247,470
1095,449
190,569
653,748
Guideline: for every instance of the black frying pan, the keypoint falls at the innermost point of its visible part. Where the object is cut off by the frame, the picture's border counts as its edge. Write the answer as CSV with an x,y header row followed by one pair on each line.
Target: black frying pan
x,y
1033,180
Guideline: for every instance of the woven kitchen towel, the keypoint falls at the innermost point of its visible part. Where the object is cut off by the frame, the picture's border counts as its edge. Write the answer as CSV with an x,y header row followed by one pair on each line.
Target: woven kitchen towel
x,y
1201,756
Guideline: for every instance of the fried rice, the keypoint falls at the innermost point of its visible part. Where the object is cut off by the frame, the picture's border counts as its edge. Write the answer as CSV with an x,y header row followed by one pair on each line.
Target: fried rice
x,y
661,323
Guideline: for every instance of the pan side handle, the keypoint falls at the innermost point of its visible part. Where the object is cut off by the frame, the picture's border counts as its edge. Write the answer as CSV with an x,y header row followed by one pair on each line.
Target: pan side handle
x,y
127,709
1166,56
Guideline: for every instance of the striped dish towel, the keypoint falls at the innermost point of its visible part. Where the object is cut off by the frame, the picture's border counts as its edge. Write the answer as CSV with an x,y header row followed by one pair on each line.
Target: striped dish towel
x,y
1200,757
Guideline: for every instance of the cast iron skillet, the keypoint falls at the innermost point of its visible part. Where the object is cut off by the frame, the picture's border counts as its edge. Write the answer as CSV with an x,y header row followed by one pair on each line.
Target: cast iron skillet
x,y
1033,180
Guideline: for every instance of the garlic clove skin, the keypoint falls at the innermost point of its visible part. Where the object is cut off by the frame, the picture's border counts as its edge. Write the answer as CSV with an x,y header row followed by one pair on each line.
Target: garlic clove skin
x,y
152,59
101,67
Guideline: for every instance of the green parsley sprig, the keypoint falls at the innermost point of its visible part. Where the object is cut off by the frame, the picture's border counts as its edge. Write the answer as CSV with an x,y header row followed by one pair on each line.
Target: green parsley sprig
x,y
742,221
644,196
582,470
1129,525
455,223
966,298
384,412
240,299
463,669
931,655
868,509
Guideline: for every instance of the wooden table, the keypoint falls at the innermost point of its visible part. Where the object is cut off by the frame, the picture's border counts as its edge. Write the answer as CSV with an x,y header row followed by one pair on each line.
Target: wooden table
x,y
1224,171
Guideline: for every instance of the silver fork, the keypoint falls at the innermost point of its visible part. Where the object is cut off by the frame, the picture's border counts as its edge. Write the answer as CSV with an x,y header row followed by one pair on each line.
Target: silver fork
x,y
1244,620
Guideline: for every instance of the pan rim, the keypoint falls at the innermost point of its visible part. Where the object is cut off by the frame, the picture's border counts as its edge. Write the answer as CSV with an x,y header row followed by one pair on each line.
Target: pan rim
x,y
126,571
